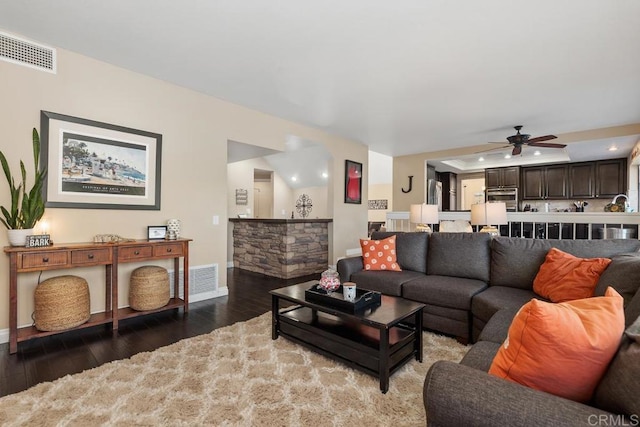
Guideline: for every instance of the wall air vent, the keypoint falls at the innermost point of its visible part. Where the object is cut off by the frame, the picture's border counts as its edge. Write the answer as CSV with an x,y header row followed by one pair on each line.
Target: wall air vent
x,y
27,53
203,281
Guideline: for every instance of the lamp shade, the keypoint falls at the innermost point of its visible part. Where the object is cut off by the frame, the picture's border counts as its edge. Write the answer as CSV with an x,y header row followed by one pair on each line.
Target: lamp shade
x,y
424,214
489,213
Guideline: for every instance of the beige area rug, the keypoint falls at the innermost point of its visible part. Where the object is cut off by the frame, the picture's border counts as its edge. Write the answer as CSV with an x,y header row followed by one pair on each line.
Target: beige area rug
x,y
233,376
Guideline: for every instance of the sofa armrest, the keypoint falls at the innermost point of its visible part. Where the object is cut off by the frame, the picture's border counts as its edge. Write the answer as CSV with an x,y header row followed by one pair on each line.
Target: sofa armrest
x,y
347,266
458,395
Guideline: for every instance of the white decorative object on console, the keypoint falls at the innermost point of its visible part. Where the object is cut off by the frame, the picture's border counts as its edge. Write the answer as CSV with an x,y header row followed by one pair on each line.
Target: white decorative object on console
x,y
174,225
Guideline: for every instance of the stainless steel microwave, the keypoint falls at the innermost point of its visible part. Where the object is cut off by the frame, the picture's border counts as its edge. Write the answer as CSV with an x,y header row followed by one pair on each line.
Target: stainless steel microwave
x,y
507,195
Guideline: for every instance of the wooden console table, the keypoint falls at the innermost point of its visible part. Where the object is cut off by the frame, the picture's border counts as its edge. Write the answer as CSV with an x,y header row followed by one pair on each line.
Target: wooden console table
x,y
75,255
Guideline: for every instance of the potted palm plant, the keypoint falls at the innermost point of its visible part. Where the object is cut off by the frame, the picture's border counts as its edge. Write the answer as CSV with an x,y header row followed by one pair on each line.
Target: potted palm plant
x,y
27,206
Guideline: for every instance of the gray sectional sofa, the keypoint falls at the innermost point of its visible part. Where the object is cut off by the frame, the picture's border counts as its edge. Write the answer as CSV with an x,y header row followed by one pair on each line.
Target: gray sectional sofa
x,y
472,286
465,278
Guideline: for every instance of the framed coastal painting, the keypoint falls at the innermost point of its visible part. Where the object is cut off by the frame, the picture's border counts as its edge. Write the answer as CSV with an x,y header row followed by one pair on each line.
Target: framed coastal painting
x,y
95,165
353,182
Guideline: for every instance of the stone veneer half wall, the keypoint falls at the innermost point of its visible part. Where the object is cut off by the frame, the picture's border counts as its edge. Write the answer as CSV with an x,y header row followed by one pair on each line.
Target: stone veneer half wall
x,y
283,248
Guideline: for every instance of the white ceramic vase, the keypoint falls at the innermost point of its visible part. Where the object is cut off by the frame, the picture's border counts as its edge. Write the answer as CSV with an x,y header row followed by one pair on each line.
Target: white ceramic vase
x,y
174,225
19,237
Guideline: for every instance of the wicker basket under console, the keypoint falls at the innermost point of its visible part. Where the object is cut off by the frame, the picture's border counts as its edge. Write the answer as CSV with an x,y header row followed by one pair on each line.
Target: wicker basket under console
x,y
61,302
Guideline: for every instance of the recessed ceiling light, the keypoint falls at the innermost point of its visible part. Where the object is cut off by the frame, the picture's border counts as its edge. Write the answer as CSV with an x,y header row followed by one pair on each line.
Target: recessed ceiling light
x,y
507,156
536,153
613,148
325,175
293,178
481,159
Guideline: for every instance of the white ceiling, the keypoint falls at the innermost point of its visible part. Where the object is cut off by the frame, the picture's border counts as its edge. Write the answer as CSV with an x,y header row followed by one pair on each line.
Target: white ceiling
x,y
402,77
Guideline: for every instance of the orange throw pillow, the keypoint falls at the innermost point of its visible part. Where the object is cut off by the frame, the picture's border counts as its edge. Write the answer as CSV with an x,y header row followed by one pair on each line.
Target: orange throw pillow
x,y
380,254
564,277
562,349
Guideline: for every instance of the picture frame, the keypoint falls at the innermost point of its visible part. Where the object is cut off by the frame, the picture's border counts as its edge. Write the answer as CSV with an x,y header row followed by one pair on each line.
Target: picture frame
x,y
352,182
96,165
157,232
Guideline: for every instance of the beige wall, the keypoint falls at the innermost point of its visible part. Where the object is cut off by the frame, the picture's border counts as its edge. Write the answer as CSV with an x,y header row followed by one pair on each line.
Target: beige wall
x,y
378,192
318,196
195,131
403,167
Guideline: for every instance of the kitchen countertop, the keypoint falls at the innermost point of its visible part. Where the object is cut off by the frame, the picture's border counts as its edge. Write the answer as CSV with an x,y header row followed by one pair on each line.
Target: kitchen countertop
x,y
540,217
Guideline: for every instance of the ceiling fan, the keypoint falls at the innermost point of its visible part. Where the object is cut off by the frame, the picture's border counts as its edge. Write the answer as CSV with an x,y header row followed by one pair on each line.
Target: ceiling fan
x,y
520,139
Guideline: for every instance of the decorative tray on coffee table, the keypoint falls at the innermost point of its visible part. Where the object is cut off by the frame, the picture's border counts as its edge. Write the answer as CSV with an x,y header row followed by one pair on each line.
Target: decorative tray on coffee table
x,y
364,298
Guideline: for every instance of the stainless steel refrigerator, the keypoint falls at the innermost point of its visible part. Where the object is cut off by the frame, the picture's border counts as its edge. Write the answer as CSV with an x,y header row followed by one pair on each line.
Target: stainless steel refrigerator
x,y
434,193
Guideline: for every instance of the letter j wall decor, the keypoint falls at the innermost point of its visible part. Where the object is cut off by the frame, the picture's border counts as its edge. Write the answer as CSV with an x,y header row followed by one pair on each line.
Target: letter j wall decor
x,y
353,182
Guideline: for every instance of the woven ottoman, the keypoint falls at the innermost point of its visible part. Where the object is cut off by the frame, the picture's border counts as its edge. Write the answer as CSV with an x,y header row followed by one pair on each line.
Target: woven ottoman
x,y
149,288
61,302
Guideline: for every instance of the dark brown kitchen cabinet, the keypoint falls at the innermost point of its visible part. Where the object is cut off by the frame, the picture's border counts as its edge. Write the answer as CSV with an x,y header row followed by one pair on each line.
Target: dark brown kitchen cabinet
x,y
545,182
582,180
611,177
502,177
600,179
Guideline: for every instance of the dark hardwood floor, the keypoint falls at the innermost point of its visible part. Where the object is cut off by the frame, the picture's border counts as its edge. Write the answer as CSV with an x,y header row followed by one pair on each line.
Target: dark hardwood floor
x,y
52,357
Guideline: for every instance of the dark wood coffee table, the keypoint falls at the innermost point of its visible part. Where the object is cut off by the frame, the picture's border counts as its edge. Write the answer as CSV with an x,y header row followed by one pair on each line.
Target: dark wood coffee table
x,y
377,341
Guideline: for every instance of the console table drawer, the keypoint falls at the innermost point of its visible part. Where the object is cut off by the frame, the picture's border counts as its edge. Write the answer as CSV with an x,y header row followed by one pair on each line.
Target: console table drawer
x,y
91,256
168,250
135,252
44,259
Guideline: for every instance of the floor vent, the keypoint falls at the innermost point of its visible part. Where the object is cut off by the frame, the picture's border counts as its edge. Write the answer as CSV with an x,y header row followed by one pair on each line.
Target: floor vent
x,y
27,53
202,279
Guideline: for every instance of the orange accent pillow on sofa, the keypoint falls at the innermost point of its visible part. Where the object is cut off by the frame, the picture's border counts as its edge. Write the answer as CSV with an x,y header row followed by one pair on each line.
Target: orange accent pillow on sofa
x,y
380,254
562,349
564,277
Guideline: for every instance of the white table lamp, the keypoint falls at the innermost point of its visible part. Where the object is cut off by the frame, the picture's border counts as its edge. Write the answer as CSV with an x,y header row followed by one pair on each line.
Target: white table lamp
x,y
422,215
489,215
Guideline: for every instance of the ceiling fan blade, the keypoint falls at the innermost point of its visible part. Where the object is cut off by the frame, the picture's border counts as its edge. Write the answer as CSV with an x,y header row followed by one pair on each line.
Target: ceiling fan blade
x,y
547,145
542,138
516,150
492,149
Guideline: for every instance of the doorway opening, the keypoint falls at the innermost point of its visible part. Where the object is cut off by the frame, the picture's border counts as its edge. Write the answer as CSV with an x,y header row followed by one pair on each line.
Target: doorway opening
x,y
472,192
263,193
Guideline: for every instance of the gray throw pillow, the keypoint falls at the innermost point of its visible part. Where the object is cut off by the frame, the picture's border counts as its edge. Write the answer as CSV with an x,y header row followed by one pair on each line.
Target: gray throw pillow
x,y
619,389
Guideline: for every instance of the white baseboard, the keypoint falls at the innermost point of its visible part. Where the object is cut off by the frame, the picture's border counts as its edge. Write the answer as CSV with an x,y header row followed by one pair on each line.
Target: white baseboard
x,y
220,292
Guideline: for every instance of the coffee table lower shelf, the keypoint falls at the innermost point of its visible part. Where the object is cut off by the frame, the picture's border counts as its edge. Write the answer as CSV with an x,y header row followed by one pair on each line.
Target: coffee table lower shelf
x,y
351,342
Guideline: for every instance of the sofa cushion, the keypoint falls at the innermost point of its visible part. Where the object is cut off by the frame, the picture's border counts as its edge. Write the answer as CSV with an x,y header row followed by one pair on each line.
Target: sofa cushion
x,y
562,349
623,274
495,298
632,310
444,291
480,355
380,254
459,255
411,249
387,282
619,389
515,261
564,277
497,328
